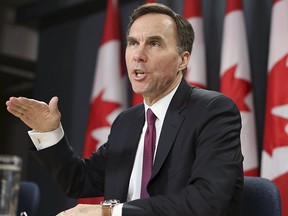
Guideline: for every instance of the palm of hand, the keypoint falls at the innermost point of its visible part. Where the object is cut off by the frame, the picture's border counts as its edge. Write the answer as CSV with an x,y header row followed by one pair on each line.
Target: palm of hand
x,y
35,114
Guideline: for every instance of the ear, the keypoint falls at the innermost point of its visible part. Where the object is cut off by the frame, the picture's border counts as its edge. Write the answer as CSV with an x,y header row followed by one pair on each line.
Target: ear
x,y
184,59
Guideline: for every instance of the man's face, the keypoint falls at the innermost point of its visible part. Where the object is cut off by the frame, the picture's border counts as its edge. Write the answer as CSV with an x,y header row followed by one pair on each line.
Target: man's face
x,y
153,62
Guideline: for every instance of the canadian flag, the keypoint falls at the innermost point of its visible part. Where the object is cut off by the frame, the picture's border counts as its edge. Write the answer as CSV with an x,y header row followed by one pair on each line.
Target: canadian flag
x,y
196,71
108,96
235,80
138,98
275,147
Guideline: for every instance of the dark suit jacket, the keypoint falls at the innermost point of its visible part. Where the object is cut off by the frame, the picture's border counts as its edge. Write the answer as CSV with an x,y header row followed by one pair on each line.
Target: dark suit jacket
x,y
198,164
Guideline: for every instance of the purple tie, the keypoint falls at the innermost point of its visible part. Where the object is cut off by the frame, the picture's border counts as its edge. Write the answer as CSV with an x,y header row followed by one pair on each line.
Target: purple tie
x,y
148,155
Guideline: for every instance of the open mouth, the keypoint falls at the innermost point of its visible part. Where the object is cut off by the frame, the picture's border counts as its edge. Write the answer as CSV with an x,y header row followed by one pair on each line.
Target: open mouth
x,y
139,74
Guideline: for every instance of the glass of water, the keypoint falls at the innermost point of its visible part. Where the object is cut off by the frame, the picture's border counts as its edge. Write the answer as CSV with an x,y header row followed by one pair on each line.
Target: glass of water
x,y
10,170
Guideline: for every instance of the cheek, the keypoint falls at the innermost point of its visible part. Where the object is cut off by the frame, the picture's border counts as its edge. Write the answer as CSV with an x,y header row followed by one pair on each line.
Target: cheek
x,y
169,66
128,55
126,58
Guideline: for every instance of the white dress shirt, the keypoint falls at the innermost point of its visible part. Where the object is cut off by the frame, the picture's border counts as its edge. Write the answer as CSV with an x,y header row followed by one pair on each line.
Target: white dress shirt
x,y
159,109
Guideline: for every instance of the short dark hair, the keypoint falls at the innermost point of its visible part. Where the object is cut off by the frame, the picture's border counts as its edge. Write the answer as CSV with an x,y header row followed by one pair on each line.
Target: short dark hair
x,y
185,33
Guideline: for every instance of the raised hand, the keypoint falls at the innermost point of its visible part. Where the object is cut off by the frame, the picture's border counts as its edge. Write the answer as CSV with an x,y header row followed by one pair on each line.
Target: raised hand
x,y
37,115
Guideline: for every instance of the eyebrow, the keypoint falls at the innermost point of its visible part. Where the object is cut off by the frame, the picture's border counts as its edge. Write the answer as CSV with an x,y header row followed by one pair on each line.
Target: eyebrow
x,y
152,37
129,38
156,37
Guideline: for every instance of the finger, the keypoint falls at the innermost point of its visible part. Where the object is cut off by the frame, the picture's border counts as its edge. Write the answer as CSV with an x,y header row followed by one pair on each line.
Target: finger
x,y
32,108
30,103
23,107
19,106
20,113
20,102
53,104
14,109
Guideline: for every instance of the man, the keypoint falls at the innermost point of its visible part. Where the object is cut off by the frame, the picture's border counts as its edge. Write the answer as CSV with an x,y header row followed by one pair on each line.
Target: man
x,y
197,168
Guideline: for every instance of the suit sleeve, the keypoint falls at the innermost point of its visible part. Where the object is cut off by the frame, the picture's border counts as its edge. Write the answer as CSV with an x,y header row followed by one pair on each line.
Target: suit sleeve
x,y
76,176
216,176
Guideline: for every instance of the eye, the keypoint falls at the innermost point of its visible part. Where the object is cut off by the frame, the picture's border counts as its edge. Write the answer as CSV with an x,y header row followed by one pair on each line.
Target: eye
x,y
154,44
132,43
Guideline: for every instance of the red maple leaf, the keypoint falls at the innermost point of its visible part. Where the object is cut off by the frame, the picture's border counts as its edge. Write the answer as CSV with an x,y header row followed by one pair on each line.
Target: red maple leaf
x,y
277,86
99,111
235,88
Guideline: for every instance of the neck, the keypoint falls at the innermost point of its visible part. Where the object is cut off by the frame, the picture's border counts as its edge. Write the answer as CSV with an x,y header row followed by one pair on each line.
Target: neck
x,y
152,100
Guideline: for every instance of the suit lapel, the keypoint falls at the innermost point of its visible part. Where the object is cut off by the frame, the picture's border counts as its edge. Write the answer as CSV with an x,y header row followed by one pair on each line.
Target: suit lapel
x,y
129,151
169,132
172,123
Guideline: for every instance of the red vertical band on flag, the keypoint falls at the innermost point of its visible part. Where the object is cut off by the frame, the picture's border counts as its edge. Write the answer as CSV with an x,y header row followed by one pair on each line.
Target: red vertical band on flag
x,y
111,30
192,8
232,5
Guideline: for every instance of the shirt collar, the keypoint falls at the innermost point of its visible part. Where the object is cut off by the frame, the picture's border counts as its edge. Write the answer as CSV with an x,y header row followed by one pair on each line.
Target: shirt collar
x,y
160,107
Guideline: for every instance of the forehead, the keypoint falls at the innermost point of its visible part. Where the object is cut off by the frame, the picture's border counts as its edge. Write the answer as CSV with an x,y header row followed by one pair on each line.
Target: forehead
x,y
153,24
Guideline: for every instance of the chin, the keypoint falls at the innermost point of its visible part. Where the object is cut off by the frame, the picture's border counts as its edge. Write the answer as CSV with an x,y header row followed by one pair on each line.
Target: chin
x,y
137,89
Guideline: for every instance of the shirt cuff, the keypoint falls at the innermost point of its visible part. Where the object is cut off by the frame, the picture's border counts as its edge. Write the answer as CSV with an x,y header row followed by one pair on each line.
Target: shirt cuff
x,y
117,210
43,140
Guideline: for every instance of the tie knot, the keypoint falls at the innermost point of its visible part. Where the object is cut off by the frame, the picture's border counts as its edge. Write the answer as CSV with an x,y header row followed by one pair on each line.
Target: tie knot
x,y
150,117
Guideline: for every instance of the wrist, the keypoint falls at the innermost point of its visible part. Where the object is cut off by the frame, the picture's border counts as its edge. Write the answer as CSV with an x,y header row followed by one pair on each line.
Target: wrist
x,y
107,206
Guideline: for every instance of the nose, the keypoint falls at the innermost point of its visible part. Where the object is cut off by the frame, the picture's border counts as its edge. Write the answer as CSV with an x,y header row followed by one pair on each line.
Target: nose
x,y
140,54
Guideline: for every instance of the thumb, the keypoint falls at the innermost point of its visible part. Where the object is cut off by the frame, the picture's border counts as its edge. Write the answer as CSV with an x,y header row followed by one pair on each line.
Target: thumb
x,y
53,104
